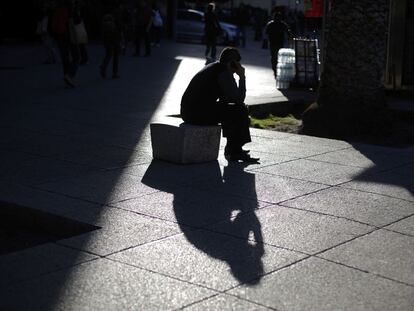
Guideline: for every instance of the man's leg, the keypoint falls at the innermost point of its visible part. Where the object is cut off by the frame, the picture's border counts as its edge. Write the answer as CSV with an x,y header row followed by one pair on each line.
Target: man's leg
x,y
106,60
235,123
147,41
115,61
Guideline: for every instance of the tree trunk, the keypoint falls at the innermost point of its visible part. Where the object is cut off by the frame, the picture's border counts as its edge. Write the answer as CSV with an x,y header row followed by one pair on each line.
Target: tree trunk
x,y
351,93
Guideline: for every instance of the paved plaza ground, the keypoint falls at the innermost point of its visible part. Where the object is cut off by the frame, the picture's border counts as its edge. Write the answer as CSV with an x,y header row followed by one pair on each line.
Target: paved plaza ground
x,y
319,224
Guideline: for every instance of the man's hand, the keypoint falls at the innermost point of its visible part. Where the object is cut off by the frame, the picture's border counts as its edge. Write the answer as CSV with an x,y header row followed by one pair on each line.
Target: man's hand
x,y
240,71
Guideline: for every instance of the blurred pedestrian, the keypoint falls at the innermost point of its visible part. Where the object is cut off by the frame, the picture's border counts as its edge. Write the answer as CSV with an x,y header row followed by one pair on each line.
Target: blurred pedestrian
x,y
79,33
242,21
127,29
43,30
143,23
212,30
276,30
112,35
157,24
69,50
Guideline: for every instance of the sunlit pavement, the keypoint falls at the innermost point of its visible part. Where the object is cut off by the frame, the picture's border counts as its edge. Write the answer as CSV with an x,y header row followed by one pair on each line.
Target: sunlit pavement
x,y
319,224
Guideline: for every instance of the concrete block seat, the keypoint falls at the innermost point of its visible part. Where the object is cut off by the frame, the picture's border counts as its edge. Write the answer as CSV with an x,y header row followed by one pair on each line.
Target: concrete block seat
x,y
176,141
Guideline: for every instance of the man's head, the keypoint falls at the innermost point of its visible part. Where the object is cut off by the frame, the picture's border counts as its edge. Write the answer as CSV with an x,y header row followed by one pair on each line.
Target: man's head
x,y
229,55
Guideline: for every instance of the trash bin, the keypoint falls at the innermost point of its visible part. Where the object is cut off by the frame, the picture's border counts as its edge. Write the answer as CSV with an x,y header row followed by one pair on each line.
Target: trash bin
x,y
307,62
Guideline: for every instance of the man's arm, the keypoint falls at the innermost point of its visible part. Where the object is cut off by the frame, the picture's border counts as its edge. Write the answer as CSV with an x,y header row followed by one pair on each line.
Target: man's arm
x,y
231,93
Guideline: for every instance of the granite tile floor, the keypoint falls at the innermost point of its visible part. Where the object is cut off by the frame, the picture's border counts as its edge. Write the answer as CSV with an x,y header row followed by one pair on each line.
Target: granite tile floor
x,y
319,224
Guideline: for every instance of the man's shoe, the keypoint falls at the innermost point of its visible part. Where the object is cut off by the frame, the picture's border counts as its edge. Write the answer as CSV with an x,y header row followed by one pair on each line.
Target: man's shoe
x,y
244,157
68,80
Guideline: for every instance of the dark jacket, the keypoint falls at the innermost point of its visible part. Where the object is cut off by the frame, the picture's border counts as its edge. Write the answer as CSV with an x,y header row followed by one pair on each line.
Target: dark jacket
x,y
276,30
199,103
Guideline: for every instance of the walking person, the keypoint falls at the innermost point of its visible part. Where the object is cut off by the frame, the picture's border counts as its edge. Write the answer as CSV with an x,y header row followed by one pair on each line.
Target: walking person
x,y
212,30
242,21
213,97
275,31
43,30
143,23
69,50
157,24
112,35
80,34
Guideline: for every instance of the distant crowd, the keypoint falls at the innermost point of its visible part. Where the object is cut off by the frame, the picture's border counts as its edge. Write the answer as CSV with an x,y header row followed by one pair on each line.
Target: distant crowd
x,y
61,27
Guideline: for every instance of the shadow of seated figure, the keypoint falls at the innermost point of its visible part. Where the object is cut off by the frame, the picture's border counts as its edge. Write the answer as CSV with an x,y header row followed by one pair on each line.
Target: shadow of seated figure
x,y
216,211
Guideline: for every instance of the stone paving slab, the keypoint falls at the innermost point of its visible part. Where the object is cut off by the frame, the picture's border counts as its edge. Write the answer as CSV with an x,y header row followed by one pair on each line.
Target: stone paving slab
x,y
225,302
43,200
12,135
268,134
369,208
119,230
160,173
290,148
405,226
101,187
315,284
42,170
266,159
314,171
295,229
319,141
381,252
353,157
103,285
107,157
39,260
11,159
262,187
209,259
387,183
190,206
50,145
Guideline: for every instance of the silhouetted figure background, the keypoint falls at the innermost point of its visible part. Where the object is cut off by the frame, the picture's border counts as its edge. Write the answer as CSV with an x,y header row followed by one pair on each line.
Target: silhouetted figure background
x,y
79,34
213,97
276,30
43,30
112,34
157,25
69,50
143,23
242,21
212,30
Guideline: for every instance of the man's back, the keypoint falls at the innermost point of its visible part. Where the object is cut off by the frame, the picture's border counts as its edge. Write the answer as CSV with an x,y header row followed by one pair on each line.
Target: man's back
x,y
276,30
199,102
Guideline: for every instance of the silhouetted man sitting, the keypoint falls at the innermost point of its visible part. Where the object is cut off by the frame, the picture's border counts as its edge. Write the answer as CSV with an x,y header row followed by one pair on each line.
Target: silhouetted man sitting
x,y
213,97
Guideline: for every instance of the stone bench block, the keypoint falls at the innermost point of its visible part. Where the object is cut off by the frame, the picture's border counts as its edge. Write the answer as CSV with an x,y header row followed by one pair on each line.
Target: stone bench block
x,y
184,143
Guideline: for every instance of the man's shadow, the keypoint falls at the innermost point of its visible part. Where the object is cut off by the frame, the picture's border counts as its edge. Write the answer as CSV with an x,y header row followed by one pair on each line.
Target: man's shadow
x,y
201,214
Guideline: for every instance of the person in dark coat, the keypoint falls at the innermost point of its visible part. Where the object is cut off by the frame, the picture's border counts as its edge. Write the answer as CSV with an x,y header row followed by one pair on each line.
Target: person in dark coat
x,y
212,30
213,97
276,30
143,23
112,35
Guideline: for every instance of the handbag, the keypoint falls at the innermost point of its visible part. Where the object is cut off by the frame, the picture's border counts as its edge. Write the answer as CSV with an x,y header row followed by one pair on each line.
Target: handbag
x,y
78,34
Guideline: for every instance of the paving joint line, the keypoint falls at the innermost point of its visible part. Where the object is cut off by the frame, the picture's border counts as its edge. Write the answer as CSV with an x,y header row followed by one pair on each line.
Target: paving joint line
x,y
365,271
343,185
